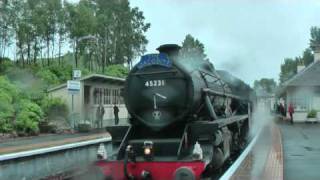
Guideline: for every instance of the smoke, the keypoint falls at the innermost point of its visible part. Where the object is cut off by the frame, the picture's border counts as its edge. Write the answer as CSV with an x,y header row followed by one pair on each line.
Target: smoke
x,y
261,118
25,80
260,125
234,65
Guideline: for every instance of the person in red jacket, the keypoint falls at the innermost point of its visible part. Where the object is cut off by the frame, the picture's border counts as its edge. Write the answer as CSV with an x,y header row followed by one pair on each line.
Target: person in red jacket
x,y
291,111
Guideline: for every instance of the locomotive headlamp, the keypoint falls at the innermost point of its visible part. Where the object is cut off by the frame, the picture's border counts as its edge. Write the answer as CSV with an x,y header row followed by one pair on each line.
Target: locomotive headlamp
x,y
147,150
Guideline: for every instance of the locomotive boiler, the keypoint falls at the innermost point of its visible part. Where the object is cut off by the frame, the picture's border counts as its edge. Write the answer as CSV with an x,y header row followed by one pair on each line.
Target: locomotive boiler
x,y
187,119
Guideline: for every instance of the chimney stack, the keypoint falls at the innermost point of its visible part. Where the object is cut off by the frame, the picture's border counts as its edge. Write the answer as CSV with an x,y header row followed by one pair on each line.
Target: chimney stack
x,y
300,68
316,52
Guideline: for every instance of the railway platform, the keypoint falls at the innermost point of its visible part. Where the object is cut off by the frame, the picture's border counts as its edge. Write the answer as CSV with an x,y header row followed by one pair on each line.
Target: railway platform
x,y
262,159
283,152
50,156
14,145
301,146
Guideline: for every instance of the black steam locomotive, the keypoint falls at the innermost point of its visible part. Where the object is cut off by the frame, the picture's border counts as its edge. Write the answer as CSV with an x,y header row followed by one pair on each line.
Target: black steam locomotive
x,y
187,119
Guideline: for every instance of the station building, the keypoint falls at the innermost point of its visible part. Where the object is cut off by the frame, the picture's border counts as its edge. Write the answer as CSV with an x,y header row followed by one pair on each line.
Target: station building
x,y
303,90
265,99
94,88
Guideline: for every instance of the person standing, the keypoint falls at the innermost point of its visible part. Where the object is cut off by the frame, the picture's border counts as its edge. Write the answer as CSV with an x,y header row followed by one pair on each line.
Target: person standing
x,y
99,115
291,111
282,110
116,114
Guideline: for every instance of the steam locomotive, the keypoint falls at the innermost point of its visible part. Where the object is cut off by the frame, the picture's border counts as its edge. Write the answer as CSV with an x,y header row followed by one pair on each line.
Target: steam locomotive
x,y
187,119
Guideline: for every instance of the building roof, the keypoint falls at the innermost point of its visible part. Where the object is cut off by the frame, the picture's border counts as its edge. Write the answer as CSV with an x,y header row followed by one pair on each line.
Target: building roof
x,y
309,76
93,77
101,76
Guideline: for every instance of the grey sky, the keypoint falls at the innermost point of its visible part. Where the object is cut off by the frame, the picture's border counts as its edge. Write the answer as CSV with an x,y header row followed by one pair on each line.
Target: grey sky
x,y
249,38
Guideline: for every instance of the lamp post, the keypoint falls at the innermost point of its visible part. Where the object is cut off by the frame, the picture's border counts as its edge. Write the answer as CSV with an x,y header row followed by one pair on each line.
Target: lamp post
x,y
75,44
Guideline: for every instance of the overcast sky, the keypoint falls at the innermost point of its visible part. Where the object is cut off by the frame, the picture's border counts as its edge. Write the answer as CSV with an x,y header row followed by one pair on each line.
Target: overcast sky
x,y
249,38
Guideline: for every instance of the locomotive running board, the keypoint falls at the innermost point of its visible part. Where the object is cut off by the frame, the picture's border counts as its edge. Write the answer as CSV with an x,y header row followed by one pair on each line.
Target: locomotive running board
x,y
205,130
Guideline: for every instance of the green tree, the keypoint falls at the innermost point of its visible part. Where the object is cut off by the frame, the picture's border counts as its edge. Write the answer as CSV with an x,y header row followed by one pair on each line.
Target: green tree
x,y
307,57
120,33
5,28
288,69
315,36
268,85
192,48
81,22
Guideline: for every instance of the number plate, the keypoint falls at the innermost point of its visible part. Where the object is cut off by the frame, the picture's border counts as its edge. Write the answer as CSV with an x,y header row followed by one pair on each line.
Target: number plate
x,y
155,83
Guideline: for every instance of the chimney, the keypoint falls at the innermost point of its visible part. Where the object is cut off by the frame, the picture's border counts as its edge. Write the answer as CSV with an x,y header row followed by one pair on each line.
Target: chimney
x,y
316,55
316,51
169,49
300,68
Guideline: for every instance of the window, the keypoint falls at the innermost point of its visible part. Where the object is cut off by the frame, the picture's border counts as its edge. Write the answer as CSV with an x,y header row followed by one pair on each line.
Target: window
x,y
107,96
301,103
97,95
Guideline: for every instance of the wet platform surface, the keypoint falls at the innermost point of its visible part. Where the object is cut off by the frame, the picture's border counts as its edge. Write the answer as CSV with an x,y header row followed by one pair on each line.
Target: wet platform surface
x,y
301,146
265,161
47,140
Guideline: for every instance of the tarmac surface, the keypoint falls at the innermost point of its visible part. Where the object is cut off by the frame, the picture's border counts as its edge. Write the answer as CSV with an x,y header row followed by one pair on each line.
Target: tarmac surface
x,y
301,151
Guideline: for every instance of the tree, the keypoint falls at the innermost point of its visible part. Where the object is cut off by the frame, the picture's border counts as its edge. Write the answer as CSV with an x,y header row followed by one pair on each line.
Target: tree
x,y
5,28
81,22
315,36
40,30
120,32
307,57
288,69
192,48
268,85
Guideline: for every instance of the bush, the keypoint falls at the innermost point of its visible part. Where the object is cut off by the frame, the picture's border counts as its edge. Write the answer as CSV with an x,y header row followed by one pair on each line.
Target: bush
x,y
117,70
7,93
312,114
6,120
27,105
54,107
47,76
63,73
27,123
7,87
5,65
28,118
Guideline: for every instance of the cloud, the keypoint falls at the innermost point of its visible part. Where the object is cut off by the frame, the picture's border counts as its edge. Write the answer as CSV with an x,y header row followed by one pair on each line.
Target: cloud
x,y
249,37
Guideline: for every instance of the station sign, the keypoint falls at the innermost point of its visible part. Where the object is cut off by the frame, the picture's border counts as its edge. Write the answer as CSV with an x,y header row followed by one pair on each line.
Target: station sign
x,y
76,73
73,86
